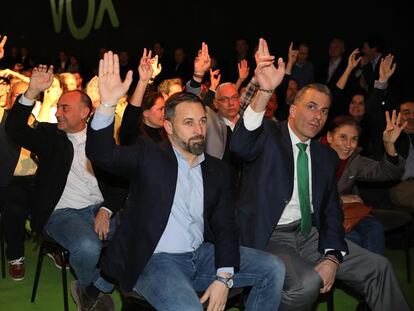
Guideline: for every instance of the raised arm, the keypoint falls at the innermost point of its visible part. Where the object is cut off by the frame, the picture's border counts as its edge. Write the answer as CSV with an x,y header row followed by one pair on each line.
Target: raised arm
x,y
248,139
353,61
100,145
292,58
2,44
267,76
146,72
244,70
16,123
202,64
50,98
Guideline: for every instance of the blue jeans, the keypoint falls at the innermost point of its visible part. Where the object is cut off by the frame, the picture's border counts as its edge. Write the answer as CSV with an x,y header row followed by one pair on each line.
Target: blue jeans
x,y
74,229
369,234
171,281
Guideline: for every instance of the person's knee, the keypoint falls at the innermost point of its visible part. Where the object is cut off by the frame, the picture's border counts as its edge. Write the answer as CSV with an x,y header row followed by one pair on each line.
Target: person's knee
x,y
87,248
276,268
304,290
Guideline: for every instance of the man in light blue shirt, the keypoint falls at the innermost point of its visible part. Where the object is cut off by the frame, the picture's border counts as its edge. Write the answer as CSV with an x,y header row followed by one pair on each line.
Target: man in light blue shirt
x,y
179,234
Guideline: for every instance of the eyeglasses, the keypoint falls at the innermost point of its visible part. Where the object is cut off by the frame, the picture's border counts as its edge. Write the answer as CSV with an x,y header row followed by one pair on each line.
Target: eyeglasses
x,y
225,99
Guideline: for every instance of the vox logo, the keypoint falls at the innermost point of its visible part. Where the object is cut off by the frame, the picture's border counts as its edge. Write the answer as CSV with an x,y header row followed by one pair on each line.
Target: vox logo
x,y
92,20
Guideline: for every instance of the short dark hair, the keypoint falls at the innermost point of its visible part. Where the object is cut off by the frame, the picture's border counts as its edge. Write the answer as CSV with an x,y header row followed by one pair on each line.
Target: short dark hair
x,y
176,99
149,99
322,88
344,120
376,41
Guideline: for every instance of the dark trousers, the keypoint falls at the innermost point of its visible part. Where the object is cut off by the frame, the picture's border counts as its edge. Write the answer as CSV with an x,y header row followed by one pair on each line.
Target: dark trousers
x,y
369,274
16,209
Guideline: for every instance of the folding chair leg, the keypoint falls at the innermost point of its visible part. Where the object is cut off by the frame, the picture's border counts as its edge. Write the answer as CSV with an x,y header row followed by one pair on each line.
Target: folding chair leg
x,y
38,270
63,259
330,300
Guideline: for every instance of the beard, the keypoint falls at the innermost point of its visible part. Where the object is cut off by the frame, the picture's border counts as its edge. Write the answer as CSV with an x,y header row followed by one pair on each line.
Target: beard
x,y
195,145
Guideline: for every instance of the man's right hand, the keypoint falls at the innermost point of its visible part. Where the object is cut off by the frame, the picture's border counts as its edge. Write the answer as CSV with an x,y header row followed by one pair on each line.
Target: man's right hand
x,y
41,80
111,88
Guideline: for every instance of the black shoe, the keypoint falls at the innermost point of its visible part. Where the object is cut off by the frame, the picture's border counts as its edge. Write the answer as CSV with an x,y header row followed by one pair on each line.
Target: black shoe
x,y
84,302
104,303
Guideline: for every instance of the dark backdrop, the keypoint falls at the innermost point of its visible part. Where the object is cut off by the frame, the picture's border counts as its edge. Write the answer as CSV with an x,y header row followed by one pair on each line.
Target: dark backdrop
x,y
219,23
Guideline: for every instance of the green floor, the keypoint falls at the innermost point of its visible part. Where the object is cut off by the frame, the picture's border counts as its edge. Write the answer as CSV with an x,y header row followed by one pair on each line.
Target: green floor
x,y
15,296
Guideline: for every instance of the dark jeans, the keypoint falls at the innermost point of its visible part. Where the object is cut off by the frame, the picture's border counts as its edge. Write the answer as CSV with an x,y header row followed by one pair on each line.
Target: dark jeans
x,y
15,212
369,234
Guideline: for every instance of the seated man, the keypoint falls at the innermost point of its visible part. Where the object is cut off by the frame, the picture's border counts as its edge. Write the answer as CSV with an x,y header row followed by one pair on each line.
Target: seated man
x,y
179,234
68,203
289,201
403,193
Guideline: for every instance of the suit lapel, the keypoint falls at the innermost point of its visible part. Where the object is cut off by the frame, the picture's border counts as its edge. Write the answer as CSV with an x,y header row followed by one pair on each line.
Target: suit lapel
x,y
288,159
171,173
317,171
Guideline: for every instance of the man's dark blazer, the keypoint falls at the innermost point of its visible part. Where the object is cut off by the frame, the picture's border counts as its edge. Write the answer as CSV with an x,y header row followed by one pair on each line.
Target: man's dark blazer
x,y
55,153
152,170
267,185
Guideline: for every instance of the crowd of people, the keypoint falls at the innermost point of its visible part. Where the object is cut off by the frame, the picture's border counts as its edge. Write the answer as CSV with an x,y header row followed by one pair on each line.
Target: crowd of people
x,y
180,182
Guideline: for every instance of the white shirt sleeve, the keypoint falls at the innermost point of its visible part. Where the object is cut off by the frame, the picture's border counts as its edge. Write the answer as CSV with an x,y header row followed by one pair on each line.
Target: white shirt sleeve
x,y
252,119
26,102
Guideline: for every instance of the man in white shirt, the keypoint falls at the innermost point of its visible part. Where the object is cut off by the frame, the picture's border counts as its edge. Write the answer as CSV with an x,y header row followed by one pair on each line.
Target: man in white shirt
x,y
289,202
68,203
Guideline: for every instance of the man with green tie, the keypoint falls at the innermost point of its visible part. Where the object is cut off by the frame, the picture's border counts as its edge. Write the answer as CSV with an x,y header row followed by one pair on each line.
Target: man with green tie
x,y
289,203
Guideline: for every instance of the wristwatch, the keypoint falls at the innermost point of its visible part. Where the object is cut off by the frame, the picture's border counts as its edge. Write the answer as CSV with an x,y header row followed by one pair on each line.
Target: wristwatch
x,y
226,281
336,253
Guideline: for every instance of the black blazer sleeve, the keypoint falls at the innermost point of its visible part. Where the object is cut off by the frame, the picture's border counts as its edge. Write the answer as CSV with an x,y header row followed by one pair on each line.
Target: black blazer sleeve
x,y
33,139
129,129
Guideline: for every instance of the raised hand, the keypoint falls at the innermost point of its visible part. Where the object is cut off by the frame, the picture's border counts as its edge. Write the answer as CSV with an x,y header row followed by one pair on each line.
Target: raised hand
x,y
244,69
2,44
53,93
92,89
156,68
292,58
111,88
393,128
215,77
202,62
145,68
266,74
387,68
292,54
353,60
41,80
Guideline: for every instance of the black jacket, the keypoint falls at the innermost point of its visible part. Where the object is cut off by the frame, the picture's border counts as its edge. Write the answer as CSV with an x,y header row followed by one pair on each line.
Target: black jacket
x,y
152,169
55,153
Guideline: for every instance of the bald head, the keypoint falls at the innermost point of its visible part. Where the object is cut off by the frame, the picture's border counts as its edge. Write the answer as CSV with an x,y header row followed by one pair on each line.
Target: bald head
x,y
16,89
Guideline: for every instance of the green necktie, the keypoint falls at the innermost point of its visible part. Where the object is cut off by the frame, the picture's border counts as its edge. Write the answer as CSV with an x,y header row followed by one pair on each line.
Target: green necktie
x,y
303,189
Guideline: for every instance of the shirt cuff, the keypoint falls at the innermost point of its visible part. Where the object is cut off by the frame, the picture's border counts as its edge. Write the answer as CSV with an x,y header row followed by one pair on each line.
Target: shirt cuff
x,y
331,249
25,101
101,120
380,85
225,270
107,209
252,119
